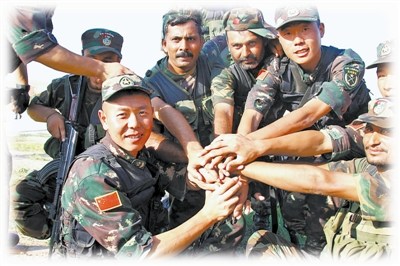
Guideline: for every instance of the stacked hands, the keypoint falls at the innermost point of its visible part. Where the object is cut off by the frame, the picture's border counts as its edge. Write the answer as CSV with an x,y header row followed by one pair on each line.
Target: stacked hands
x,y
225,157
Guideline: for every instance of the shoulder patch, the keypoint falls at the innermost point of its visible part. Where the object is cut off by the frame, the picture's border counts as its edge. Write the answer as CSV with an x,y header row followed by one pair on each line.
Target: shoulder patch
x,y
351,76
108,201
262,74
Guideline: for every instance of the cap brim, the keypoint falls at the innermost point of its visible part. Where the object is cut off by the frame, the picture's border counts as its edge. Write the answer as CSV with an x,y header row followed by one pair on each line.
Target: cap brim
x,y
101,49
380,61
383,122
265,33
296,19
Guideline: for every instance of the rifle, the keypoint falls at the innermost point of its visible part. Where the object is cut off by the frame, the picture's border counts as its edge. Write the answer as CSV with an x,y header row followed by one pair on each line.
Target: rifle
x,y
67,154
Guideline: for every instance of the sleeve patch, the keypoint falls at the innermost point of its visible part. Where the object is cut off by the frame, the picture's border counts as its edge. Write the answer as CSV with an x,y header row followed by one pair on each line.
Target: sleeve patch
x,y
351,77
108,201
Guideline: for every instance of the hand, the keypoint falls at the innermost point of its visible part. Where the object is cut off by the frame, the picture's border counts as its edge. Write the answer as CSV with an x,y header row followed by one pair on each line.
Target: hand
x,y
209,181
230,145
112,70
221,202
56,125
19,99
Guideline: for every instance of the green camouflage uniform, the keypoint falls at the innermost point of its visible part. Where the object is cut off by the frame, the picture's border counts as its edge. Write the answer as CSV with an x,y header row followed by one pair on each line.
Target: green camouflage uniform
x,y
35,192
356,234
338,82
30,32
191,95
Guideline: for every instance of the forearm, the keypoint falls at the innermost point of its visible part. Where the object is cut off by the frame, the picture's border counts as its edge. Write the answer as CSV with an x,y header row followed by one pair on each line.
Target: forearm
x,y
249,122
304,143
166,149
295,121
178,126
303,179
61,59
40,113
223,119
176,240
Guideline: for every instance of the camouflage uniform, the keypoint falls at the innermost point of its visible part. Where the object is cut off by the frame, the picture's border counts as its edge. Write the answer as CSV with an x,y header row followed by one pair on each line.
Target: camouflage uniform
x,y
232,85
34,193
191,95
30,33
356,232
347,142
360,230
338,82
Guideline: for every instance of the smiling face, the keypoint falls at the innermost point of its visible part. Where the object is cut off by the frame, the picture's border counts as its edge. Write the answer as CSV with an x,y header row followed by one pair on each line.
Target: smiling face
x,y
301,42
378,144
128,119
182,44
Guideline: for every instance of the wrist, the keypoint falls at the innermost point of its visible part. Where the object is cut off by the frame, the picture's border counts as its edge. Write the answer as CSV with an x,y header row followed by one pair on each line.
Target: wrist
x,y
50,115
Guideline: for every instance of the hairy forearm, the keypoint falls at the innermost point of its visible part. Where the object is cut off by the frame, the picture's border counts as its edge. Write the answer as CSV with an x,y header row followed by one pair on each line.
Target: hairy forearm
x,y
223,119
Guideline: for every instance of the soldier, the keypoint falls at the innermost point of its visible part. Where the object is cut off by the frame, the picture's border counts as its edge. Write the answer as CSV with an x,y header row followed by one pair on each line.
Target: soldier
x,y
317,86
181,100
248,37
110,192
333,142
30,38
361,229
52,107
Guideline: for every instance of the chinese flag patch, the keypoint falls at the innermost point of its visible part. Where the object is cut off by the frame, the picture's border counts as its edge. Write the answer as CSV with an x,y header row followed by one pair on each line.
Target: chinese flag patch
x,y
108,201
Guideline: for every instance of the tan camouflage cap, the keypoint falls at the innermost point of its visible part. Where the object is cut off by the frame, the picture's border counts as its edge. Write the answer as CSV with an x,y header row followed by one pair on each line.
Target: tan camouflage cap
x,y
385,54
99,40
251,19
380,113
287,14
120,83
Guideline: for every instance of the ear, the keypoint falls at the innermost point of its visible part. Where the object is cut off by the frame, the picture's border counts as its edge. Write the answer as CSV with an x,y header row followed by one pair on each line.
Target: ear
x,y
103,119
164,46
322,29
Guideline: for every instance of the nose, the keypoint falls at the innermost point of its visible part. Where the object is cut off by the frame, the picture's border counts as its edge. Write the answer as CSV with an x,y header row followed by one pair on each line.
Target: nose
x,y
183,44
133,121
374,138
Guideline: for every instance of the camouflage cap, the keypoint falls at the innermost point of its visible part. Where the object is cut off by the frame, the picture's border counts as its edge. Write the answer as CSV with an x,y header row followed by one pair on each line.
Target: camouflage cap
x,y
251,19
99,40
380,113
384,53
120,83
287,14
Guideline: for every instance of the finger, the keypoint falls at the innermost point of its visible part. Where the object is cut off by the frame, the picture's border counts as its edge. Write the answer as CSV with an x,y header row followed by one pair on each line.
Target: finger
x,y
247,207
259,196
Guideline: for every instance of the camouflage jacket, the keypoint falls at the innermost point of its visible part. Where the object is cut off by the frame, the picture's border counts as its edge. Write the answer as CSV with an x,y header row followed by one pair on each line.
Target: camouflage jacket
x,y
30,31
338,75
361,230
347,142
110,210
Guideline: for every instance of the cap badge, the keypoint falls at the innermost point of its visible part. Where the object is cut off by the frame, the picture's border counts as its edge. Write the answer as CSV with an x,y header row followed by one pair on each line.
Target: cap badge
x,y
125,81
385,50
293,12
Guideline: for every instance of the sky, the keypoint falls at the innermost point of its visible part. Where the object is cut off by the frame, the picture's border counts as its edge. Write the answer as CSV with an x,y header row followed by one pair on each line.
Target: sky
x,y
359,25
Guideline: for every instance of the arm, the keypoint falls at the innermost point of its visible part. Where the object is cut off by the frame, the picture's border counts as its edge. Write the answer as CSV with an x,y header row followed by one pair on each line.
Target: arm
x,y
304,179
297,120
165,149
218,205
54,120
249,122
246,150
61,59
223,118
